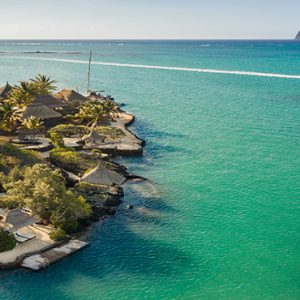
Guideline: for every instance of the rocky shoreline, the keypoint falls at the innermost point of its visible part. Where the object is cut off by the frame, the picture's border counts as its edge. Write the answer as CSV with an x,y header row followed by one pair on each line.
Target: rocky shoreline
x,y
103,198
84,155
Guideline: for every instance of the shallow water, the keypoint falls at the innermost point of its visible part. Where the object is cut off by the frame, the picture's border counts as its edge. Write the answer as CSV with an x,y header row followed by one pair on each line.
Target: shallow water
x,y
219,218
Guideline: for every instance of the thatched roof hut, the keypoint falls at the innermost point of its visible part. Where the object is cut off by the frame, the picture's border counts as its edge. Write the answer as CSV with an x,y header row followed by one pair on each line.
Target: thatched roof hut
x,y
15,219
50,101
49,116
70,96
5,90
103,176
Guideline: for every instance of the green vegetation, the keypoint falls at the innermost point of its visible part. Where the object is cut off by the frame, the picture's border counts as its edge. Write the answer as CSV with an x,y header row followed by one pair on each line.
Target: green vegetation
x,y
11,157
43,85
23,94
42,189
58,235
93,112
72,161
89,190
9,116
33,124
20,97
110,132
7,241
69,130
56,139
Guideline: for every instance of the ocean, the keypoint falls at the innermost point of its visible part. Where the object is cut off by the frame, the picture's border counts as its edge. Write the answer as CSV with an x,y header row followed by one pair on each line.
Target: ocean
x,y
219,217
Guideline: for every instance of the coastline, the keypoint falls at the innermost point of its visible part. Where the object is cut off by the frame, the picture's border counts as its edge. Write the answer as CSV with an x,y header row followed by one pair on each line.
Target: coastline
x,y
129,145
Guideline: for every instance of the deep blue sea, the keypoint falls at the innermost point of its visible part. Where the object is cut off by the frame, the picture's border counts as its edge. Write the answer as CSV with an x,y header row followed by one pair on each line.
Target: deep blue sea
x,y
219,217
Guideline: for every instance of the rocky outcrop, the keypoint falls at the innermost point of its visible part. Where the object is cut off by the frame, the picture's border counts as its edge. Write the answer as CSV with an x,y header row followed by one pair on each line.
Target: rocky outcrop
x,y
102,198
297,38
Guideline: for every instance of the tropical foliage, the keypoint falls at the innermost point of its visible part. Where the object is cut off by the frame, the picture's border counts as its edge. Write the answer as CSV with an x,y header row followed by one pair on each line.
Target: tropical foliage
x,y
69,130
58,235
91,113
9,116
7,241
111,132
11,157
43,85
23,94
33,124
42,189
73,161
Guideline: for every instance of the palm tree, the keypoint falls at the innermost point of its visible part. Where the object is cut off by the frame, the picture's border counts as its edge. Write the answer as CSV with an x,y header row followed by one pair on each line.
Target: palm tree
x,y
33,124
23,94
109,108
91,113
9,116
44,85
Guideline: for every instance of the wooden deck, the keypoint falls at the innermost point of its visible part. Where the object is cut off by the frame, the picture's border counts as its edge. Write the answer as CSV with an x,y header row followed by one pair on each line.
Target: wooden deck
x,y
41,261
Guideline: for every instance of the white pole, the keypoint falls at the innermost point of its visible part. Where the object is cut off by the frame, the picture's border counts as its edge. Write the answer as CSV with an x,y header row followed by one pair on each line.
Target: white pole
x,y
89,72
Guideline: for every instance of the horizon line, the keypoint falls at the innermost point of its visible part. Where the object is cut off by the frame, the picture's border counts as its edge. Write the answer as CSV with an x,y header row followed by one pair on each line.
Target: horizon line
x,y
148,39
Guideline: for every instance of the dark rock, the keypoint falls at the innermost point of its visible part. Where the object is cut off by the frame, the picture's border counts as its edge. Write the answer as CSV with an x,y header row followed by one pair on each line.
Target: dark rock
x,y
112,211
297,38
112,201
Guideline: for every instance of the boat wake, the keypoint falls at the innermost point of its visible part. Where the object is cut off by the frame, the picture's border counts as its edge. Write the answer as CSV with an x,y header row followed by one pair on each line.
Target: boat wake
x,y
167,68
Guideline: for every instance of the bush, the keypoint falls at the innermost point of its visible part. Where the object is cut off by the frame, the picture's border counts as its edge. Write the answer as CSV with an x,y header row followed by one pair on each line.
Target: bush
x,y
56,139
42,189
58,235
7,241
111,132
68,130
73,161
9,202
11,156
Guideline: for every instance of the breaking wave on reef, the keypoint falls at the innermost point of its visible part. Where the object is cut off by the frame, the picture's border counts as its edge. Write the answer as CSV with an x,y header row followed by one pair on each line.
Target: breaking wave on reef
x,y
167,68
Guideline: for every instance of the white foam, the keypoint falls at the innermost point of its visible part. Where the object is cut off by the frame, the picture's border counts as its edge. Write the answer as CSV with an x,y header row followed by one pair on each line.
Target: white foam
x,y
197,70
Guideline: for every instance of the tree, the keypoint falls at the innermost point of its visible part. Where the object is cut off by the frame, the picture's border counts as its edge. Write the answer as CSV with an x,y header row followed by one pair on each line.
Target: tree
x,y
43,190
33,124
9,116
7,241
23,94
109,108
44,85
90,113
93,112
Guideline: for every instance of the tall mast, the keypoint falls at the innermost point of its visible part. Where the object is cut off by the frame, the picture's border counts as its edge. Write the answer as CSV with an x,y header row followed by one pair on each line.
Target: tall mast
x,y
89,72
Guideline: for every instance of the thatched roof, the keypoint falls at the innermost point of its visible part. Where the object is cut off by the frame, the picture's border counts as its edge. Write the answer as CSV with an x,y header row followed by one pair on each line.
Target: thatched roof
x,y
69,95
15,219
50,101
40,111
5,90
103,176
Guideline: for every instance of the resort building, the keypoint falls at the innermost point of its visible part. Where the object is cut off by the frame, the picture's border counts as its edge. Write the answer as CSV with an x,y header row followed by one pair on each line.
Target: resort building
x,y
69,95
50,101
49,116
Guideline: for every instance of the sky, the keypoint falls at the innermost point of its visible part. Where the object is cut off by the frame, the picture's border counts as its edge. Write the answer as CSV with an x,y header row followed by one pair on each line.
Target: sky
x,y
149,19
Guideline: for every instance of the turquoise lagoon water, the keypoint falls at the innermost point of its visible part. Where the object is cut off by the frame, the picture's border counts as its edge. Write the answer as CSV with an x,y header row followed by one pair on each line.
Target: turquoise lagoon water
x,y
220,215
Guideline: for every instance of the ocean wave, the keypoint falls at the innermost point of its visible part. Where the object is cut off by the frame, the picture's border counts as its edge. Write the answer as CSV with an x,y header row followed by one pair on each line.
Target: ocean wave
x,y
165,68
41,52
